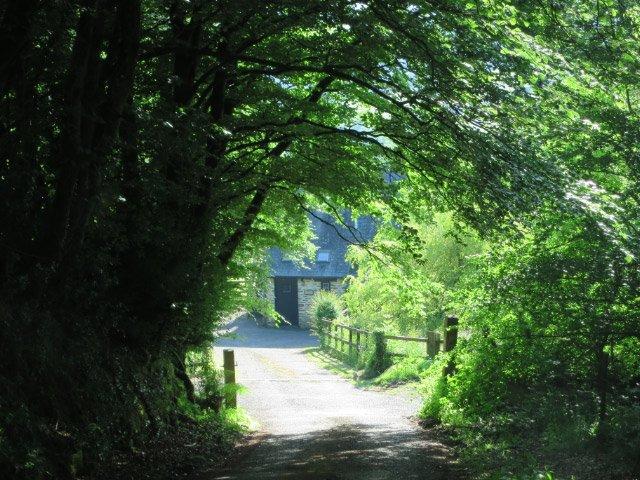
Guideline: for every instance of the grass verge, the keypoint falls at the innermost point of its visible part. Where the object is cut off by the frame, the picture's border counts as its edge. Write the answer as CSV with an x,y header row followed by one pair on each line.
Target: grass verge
x,y
406,370
337,366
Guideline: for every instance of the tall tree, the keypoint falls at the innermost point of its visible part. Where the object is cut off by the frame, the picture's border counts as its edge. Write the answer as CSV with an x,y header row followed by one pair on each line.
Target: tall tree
x,y
148,144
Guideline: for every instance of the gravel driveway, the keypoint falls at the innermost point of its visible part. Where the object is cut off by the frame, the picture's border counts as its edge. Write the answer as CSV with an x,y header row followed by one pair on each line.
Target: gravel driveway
x,y
318,425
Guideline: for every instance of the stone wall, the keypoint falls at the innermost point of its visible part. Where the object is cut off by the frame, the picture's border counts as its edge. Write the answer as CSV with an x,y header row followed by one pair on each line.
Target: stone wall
x,y
307,288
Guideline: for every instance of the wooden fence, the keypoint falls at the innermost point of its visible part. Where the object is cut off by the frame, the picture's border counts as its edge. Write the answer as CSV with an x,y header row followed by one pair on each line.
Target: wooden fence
x,y
352,341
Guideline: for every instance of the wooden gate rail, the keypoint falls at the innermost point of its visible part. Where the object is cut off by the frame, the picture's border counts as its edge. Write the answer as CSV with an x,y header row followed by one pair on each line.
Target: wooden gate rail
x,y
433,340
354,343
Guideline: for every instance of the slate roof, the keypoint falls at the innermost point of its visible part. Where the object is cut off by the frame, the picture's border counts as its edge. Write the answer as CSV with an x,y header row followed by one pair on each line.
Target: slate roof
x,y
331,237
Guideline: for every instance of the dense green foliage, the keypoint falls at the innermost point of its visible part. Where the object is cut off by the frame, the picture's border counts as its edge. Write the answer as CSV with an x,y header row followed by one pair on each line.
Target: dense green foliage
x,y
554,344
404,288
152,150
547,364
549,312
325,306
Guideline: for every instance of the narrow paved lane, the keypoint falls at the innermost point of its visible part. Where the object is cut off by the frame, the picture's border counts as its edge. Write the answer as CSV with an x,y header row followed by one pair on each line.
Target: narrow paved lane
x,y
318,425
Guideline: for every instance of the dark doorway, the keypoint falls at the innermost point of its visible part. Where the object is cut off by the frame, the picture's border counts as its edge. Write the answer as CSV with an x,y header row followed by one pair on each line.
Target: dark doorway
x,y
286,294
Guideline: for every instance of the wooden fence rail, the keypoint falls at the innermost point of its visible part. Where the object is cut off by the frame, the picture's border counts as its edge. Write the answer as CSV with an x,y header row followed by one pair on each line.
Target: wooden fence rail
x,y
332,332
349,340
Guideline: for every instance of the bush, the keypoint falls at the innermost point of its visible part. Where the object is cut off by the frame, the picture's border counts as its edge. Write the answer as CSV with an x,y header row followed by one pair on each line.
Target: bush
x,y
208,388
378,357
326,306
435,391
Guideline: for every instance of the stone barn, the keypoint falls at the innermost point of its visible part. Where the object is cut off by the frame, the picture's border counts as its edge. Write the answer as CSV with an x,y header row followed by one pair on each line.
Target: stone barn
x,y
292,286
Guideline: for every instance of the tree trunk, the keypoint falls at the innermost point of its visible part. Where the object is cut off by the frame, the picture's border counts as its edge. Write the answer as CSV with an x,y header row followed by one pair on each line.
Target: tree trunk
x,y
181,373
16,17
602,389
95,95
251,212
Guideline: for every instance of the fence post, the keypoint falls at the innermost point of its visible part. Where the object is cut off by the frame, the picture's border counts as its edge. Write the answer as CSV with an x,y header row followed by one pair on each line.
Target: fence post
x,y
342,338
357,346
318,328
229,365
378,363
450,340
450,333
350,343
327,339
432,344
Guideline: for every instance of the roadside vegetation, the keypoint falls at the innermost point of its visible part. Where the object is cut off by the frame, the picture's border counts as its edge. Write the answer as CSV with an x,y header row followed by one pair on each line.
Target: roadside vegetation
x,y
546,366
193,447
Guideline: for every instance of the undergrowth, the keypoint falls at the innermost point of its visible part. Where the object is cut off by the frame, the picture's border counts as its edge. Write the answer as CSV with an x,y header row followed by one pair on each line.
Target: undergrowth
x,y
187,447
539,440
200,440
547,438
408,369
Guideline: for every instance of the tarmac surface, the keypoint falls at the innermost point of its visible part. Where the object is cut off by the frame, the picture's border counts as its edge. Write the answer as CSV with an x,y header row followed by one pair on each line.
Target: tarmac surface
x,y
316,425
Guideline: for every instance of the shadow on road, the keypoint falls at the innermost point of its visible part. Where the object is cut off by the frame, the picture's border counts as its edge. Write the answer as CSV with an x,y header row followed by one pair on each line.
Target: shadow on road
x,y
243,332
346,452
